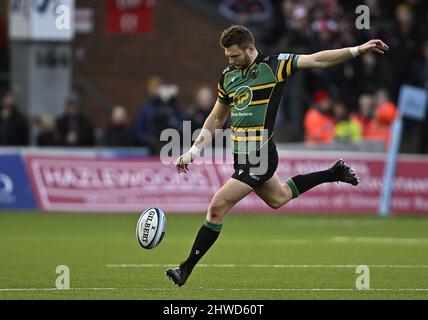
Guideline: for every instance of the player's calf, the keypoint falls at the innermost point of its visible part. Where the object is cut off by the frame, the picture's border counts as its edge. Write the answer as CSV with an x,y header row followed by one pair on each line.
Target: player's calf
x,y
205,238
276,204
274,193
232,192
280,200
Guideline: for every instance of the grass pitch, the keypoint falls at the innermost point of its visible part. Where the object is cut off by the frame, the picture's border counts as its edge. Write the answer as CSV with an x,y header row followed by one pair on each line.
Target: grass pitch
x,y
255,257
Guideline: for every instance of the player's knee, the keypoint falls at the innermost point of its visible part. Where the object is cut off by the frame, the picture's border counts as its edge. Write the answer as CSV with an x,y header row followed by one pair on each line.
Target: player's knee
x,y
217,210
275,204
215,217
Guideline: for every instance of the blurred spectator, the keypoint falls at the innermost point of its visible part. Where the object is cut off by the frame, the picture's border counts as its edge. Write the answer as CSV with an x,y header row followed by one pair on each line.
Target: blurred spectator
x,y
47,134
419,75
325,30
404,40
318,122
4,56
419,78
347,129
144,126
291,28
324,25
118,132
74,129
14,128
365,112
246,11
159,112
374,72
198,113
385,114
168,114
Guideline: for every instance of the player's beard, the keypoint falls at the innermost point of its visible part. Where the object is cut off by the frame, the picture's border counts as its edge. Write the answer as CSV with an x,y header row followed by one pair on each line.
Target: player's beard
x,y
246,63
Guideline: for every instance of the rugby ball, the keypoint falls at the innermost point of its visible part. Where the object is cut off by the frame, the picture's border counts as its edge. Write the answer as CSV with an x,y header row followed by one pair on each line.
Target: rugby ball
x,y
151,228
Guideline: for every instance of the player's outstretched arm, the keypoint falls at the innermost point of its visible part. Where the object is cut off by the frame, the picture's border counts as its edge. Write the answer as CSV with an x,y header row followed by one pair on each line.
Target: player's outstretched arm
x,y
329,58
215,120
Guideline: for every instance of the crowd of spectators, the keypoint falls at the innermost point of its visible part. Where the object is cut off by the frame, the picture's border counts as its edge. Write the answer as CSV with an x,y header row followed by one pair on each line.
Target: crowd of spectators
x,y
307,26
160,111
350,103
329,120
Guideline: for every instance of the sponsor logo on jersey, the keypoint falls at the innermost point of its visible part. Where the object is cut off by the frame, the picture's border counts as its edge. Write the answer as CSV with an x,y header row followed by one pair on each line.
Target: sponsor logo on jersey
x,y
243,97
254,73
284,56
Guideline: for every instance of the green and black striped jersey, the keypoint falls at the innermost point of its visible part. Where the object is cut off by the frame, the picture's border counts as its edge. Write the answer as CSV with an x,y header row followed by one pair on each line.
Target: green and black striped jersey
x,y
254,96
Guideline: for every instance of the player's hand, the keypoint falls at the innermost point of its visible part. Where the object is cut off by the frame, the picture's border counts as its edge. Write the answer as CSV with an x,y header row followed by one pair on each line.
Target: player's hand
x,y
182,163
376,45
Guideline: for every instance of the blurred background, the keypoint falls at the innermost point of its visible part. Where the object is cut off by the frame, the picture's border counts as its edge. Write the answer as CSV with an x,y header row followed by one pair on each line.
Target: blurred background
x,y
112,72
124,70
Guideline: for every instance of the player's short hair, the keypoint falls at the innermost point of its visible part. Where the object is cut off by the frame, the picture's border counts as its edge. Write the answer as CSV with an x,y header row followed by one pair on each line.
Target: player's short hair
x,y
236,35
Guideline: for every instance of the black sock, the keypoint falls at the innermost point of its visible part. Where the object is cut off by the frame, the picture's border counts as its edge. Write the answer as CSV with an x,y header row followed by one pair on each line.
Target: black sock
x,y
206,237
302,183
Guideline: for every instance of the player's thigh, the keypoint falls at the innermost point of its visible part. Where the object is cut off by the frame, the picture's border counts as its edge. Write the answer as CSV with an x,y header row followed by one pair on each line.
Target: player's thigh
x,y
228,195
273,192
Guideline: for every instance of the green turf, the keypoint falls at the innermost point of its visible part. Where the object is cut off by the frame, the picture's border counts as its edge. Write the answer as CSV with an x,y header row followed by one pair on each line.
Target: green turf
x,y
33,245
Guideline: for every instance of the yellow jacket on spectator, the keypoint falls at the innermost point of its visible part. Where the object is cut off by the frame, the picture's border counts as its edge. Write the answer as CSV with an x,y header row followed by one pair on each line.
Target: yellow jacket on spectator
x,y
348,130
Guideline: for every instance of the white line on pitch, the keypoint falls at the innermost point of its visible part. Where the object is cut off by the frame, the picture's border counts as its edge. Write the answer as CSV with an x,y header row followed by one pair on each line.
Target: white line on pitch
x,y
85,289
380,240
297,266
318,289
211,289
54,289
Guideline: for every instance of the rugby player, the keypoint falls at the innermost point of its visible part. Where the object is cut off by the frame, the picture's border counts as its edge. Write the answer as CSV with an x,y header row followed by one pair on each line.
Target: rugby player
x,y
251,89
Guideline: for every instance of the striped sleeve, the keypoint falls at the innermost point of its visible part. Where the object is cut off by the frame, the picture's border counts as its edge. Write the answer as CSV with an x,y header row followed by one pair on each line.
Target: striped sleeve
x,y
222,95
286,66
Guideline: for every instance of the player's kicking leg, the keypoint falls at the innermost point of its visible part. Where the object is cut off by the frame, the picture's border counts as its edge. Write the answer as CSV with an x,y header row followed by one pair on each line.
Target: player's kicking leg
x,y
224,199
276,194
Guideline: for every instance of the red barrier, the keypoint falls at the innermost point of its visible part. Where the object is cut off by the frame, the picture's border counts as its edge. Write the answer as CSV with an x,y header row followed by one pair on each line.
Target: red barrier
x,y
89,184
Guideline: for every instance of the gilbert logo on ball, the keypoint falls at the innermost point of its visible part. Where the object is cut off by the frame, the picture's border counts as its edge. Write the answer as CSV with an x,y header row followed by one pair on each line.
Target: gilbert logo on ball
x,y
151,228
